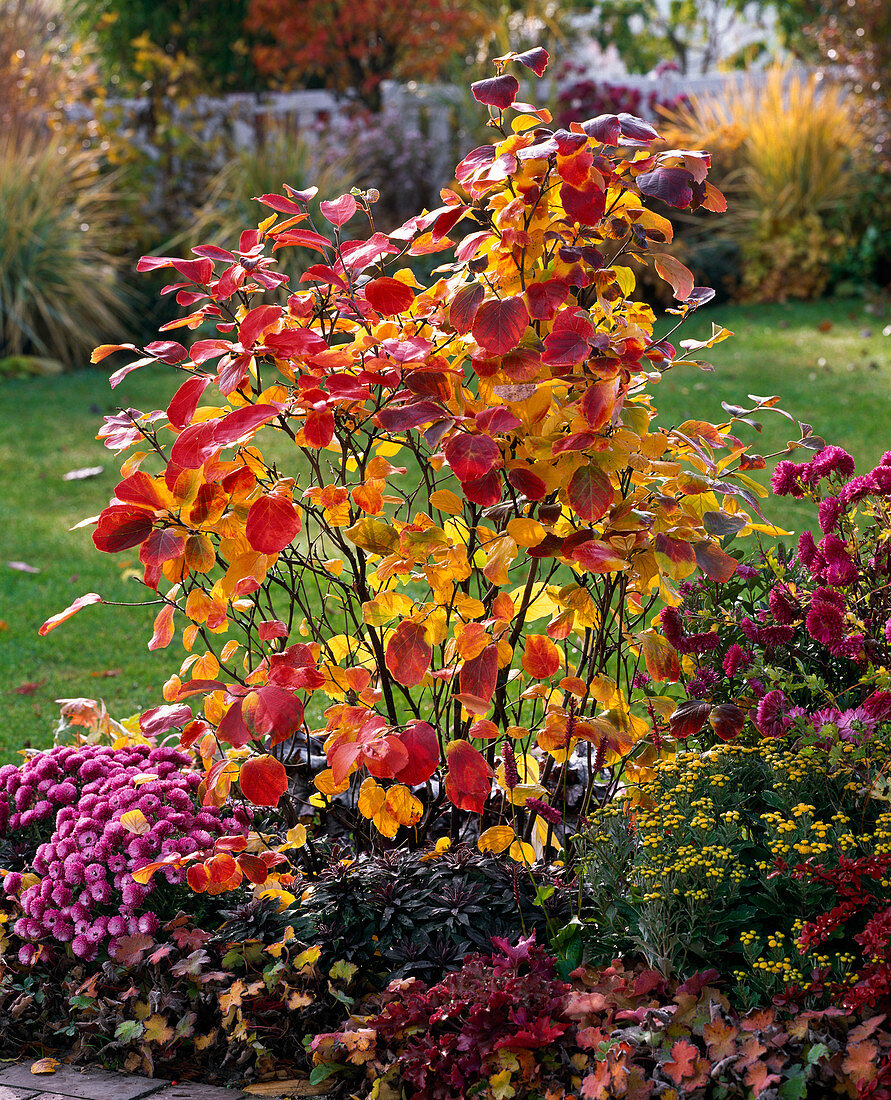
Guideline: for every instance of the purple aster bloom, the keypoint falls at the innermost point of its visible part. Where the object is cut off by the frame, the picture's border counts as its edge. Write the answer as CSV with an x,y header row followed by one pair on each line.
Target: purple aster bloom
x,y
771,718
856,726
747,572
825,622
783,605
831,461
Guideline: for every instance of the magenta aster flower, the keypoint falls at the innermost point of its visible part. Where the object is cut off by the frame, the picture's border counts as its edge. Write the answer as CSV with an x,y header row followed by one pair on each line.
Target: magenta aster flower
x,y
831,461
786,480
735,658
771,719
783,605
825,622
856,726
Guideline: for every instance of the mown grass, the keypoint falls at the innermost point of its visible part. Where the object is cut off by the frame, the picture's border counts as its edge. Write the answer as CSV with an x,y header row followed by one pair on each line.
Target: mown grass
x,y
839,380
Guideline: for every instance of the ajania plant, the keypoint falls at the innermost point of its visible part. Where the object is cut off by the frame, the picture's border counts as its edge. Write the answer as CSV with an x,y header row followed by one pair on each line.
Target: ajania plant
x,y
450,562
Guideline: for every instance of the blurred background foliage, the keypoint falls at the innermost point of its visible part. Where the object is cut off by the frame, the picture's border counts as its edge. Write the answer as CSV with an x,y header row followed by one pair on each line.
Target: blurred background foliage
x,y
124,96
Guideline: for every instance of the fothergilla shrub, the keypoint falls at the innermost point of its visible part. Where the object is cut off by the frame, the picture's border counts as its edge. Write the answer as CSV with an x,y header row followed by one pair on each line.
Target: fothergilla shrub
x,y
470,458
96,815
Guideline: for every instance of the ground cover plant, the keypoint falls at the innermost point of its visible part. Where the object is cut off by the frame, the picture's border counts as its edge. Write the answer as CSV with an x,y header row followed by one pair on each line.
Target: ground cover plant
x,y
445,621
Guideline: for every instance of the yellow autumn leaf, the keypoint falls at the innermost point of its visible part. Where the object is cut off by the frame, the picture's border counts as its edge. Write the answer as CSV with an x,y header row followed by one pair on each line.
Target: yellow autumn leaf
x,y
521,852
403,806
294,838
45,1065
447,501
134,821
371,798
143,777
525,532
496,838
284,898
500,1086
325,784
156,1030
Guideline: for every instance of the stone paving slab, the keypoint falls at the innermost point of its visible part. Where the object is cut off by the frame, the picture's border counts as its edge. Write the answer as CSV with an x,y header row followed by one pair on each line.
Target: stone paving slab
x,y
71,1081
17,1082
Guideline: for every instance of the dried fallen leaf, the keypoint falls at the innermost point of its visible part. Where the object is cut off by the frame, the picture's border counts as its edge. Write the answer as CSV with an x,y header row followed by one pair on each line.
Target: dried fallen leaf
x,y
23,567
45,1065
4,625
29,687
106,673
83,473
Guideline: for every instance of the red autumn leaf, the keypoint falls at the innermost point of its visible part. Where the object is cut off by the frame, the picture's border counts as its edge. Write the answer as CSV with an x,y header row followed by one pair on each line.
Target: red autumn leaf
x,y
121,527
541,658
263,780
162,545
535,59
599,401
272,628
471,456
253,868
272,523
160,720
689,718
479,675
590,493
485,490
497,91
584,205
385,757
255,322
422,746
530,485
339,211
568,342
182,408
410,416
727,720
72,609
469,778
408,653
499,324
232,729
683,1061
162,635
676,274
139,489
464,307
388,296
544,299
272,710
318,428
712,560
595,556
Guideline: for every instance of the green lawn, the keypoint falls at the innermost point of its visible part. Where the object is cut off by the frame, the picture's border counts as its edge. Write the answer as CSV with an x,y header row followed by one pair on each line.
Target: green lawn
x,y
839,380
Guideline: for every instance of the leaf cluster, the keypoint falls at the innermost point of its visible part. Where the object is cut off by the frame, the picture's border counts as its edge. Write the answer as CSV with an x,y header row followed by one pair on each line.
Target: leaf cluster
x,y
615,1032
403,914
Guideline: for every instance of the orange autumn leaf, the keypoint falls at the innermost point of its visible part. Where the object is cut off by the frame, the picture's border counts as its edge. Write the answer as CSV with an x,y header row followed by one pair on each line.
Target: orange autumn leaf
x,y
541,658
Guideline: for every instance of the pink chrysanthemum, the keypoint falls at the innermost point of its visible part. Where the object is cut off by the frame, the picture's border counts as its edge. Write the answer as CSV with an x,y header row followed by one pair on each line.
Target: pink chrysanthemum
x,y
825,622
771,718
735,659
807,549
831,461
786,480
783,605
829,512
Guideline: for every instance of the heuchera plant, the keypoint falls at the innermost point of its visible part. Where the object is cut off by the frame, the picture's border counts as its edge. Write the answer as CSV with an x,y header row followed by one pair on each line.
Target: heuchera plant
x,y
470,512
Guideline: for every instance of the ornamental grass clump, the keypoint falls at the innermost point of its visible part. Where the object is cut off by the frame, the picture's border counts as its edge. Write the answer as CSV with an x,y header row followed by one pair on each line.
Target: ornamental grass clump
x,y
96,815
